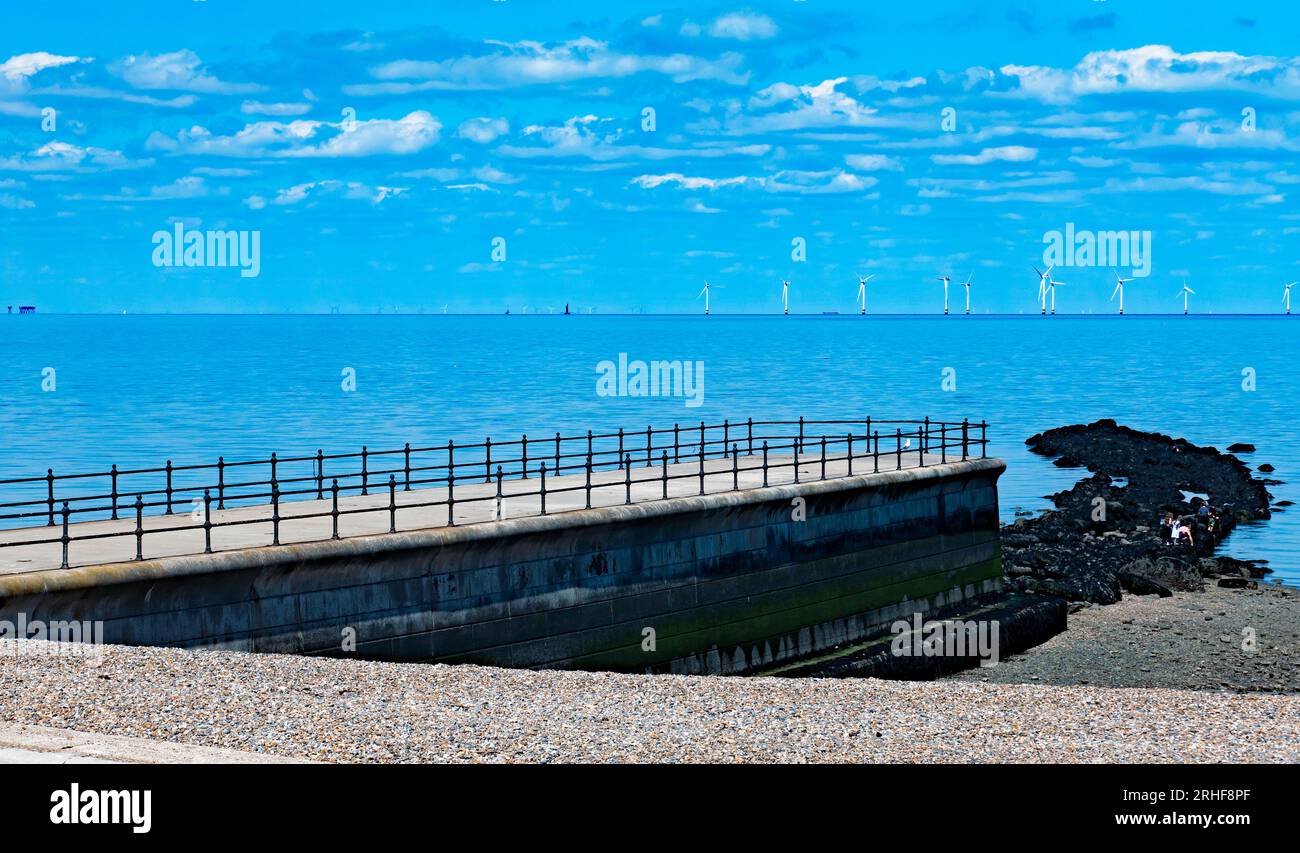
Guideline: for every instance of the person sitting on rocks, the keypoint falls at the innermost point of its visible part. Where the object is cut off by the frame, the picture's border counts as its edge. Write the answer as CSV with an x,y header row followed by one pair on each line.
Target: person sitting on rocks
x,y
1170,529
1184,533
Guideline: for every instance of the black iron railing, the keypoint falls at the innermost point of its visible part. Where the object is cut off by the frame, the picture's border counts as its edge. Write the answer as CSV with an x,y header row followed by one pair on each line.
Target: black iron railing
x,y
137,493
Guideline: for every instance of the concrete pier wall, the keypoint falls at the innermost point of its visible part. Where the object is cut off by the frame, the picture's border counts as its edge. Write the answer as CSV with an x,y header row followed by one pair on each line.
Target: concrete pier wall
x,y
723,583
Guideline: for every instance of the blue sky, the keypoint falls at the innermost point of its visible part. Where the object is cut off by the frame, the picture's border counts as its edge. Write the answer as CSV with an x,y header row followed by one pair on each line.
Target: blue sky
x,y
812,121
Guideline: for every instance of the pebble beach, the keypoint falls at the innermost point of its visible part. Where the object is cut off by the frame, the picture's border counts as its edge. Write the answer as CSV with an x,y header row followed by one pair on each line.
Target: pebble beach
x,y
358,711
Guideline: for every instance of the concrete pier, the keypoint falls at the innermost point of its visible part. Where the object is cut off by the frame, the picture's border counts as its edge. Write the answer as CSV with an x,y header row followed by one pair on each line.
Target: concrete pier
x,y
730,581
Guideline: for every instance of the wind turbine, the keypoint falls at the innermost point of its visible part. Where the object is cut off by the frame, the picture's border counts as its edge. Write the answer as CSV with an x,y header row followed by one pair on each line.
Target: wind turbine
x,y
705,294
945,279
862,290
1052,284
1185,292
1119,288
785,296
1042,286
1286,295
967,286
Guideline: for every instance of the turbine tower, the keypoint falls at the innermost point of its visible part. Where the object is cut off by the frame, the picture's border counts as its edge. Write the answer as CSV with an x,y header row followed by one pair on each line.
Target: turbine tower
x,y
1042,287
1185,292
1052,284
862,290
1286,295
705,294
967,286
945,279
1119,288
785,296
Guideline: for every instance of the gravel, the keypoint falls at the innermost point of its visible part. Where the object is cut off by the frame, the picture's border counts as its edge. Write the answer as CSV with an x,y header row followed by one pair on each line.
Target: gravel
x,y
357,711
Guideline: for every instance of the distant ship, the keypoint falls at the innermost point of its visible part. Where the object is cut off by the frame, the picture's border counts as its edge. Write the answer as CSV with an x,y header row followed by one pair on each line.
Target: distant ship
x,y
566,309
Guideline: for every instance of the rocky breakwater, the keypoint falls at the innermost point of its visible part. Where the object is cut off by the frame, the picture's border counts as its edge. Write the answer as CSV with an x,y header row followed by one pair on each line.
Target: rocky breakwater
x,y
1106,536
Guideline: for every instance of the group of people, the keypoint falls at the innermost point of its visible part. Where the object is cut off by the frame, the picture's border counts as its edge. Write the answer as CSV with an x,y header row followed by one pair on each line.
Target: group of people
x,y
1181,530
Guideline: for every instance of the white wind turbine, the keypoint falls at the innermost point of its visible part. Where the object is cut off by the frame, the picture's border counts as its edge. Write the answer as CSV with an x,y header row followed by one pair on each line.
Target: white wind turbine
x,y
785,296
945,279
967,286
1185,292
1052,284
862,290
1042,286
1286,295
705,294
1119,288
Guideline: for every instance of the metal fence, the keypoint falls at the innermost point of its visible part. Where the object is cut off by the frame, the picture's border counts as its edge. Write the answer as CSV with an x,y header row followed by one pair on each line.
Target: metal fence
x,y
750,445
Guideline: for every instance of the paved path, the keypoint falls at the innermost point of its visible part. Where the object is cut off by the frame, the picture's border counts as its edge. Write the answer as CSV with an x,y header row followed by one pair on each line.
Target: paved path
x,y
27,744
310,520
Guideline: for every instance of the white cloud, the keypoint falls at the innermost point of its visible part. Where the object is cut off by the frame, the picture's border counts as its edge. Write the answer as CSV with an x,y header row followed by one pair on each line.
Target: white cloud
x,y
786,181
407,135
483,130
743,26
1008,153
259,108
528,62
25,65
873,162
66,157
180,69
582,136
350,190
1159,68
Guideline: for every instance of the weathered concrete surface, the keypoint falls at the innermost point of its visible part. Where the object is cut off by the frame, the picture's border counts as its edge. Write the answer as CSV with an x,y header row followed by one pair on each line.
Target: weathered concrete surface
x,y
724,582
26,744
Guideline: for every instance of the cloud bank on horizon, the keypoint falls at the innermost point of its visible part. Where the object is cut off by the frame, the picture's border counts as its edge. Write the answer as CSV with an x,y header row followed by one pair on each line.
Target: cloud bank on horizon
x,y
523,155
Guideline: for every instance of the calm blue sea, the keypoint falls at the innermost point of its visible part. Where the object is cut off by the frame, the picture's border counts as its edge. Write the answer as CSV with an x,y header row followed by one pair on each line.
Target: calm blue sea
x,y
136,390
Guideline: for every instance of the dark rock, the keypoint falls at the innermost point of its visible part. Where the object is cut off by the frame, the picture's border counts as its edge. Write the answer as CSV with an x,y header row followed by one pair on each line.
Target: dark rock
x,y
1266,468
1238,583
1241,447
1142,585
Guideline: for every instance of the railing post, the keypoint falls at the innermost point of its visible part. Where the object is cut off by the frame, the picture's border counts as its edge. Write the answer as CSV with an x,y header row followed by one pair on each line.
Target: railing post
x,y
207,521
925,440
589,445
64,538
849,454
139,527
898,440
797,442
750,433
965,438
984,439
735,467
365,473
823,457
875,457
556,472
677,456
451,460
406,465
523,454
701,467
702,439
627,480
765,464
273,478
943,442
334,507
451,498
588,479
620,447
868,432
49,481
920,452
800,439
275,514
665,475
114,473
500,508
392,504
487,460
542,473
169,482
726,436
221,482
649,445
320,474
